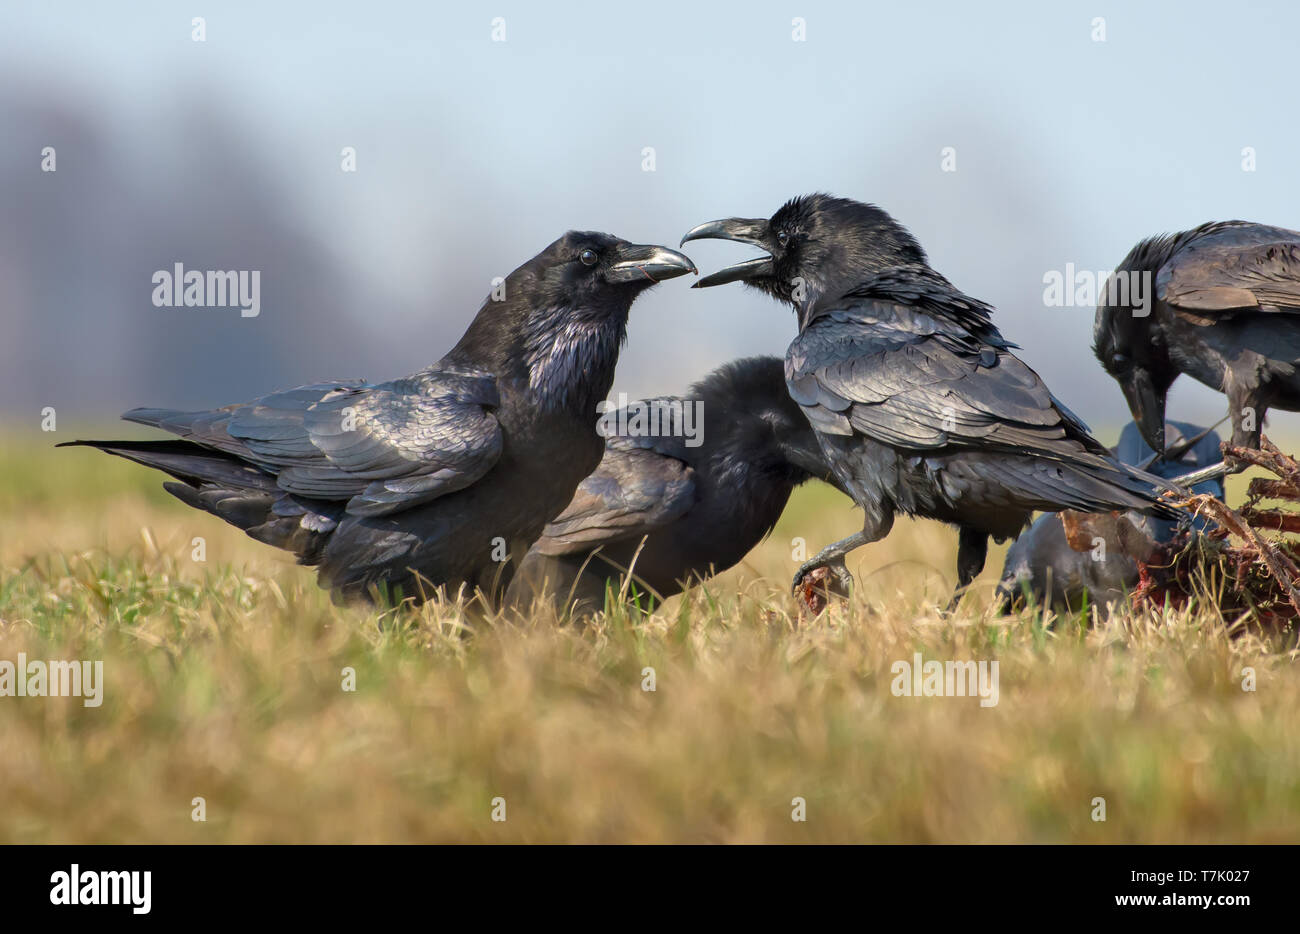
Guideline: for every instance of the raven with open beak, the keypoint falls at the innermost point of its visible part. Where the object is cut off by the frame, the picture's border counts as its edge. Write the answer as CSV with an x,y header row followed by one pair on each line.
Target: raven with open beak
x,y
917,400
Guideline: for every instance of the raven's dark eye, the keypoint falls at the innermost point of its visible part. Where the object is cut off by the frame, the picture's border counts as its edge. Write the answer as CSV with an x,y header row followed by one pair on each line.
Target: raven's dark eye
x,y
588,257
783,237
1118,361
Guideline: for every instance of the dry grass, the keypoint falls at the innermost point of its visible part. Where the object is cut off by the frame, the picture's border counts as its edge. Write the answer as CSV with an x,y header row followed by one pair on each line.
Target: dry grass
x,y
224,681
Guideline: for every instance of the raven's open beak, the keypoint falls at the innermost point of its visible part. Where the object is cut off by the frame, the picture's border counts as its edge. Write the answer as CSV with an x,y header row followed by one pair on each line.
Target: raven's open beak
x,y
1147,405
639,262
751,230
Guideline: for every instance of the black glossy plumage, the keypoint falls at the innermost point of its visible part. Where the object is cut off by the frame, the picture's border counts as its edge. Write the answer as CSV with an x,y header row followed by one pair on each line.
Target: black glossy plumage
x,y
1225,311
427,480
680,512
918,401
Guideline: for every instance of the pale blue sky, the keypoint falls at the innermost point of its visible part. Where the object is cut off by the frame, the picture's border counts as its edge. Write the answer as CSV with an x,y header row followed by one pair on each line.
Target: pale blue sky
x,y
473,155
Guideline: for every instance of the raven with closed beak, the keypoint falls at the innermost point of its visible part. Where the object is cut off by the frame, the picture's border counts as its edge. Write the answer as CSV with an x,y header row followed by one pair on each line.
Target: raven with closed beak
x,y
1225,311
669,509
918,402
394,488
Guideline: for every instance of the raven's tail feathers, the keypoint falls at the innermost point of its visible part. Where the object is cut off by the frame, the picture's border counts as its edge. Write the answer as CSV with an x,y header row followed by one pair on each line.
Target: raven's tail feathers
x,y
188,462
235,492
1116,485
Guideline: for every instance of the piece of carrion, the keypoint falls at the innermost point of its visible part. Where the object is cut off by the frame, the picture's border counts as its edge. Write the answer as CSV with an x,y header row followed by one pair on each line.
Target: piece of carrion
x,y
1042,567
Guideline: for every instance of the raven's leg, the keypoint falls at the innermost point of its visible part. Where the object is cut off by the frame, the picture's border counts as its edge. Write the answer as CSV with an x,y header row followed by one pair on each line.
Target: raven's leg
x,y
832,556
972,551
1245,410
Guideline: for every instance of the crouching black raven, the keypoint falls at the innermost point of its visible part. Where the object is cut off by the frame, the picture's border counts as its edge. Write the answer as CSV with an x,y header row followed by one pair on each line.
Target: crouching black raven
x,y
431,479
918,402
1042,566
1225,311
676,506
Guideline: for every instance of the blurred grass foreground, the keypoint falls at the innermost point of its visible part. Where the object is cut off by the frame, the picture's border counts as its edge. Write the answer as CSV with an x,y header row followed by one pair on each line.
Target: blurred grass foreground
x,y
235,692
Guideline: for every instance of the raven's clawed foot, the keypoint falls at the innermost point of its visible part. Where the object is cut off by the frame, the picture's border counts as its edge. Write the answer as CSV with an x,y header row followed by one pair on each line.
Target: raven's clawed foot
x,y
816,583
824,574
835,570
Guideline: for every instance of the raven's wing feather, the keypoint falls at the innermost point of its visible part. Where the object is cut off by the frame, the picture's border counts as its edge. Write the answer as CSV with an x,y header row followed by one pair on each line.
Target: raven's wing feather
x,y
915,377
381,448
1216,275
639,487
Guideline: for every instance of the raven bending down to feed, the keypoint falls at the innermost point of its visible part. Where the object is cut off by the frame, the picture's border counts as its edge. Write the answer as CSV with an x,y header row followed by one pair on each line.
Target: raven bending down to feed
x,y
1225,311
671,510
399,486
918,402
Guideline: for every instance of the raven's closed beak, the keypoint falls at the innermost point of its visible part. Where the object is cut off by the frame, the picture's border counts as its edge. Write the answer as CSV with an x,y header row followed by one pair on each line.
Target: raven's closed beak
x,y
751,230
1147,405
639,262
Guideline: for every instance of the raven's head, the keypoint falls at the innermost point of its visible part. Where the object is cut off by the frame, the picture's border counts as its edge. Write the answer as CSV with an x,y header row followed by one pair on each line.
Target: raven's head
x,y
583,276
589,270
560,318
1131,348
815,245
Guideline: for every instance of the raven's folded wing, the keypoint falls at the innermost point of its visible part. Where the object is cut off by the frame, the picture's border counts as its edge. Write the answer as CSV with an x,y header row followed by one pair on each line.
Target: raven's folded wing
x,y
635,490
915,379
1219,273
381,448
